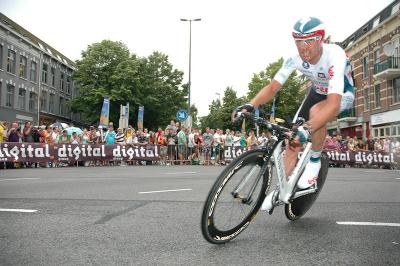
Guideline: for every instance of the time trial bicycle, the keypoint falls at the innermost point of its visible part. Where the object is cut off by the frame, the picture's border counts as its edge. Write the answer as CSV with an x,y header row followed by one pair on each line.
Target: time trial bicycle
x,y
242,186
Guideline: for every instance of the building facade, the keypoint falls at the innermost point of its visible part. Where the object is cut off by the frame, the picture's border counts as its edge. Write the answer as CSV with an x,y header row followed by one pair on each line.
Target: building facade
x,y
374,52
35,79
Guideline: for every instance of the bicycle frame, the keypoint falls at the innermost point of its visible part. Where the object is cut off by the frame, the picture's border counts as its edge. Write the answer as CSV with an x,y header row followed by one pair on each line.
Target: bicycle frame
x,y
288,185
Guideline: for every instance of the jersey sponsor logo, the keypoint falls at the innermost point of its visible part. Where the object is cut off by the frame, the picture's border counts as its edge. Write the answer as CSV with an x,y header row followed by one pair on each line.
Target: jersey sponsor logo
x,y
322,90
306,65
321,75
312,180
331,72
308,73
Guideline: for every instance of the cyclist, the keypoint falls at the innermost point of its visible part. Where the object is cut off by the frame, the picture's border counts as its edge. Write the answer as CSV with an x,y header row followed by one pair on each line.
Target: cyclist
x,y
332,92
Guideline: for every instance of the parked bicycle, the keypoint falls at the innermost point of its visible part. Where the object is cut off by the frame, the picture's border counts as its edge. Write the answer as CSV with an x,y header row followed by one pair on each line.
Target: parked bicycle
x,y
242,186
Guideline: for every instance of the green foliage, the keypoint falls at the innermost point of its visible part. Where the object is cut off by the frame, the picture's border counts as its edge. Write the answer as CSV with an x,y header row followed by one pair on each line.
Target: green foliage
x,y
287,100
220,114
108,69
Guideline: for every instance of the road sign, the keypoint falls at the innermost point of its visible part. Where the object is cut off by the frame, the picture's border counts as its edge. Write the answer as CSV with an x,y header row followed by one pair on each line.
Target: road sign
x,y
182,115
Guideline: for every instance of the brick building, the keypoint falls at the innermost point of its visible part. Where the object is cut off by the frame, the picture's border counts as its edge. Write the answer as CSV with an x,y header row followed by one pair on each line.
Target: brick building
x,y
374,51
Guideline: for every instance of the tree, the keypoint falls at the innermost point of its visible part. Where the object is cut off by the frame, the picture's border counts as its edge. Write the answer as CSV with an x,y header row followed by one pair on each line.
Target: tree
x,y
108,69
220,114
161,90
96,76
287,100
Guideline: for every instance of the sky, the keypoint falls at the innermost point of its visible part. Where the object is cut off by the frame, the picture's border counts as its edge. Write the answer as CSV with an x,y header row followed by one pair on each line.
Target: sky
x,y
233,40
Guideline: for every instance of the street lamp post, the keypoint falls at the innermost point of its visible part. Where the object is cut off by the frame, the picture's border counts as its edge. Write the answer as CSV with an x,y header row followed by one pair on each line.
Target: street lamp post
x,y
190,52
219,97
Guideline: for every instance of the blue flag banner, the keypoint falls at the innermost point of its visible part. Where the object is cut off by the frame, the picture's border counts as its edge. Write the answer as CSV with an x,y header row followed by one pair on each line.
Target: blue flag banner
x,y
105,113
140,117
272,118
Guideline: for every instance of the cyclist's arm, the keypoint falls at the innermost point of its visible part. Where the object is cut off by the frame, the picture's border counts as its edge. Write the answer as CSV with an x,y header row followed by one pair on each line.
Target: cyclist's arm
x,y
266,94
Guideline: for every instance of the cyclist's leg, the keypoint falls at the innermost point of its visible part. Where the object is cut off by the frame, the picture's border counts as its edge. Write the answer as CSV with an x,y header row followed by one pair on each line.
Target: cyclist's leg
x,y
291,153
290,158
313,167
318,137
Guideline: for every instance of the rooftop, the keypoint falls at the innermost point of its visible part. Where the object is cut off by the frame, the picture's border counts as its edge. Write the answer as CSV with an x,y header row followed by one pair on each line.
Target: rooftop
x,y
389,11
43,46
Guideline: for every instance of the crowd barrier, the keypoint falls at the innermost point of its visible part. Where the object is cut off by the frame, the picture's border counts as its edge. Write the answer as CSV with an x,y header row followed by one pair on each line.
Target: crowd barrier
x,y
171,154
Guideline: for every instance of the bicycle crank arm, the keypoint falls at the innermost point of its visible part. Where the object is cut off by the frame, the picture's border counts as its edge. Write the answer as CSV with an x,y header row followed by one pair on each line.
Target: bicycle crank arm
x,y
303,193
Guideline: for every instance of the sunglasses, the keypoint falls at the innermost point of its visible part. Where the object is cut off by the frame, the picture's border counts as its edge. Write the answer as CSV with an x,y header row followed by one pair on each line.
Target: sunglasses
x,y
308,41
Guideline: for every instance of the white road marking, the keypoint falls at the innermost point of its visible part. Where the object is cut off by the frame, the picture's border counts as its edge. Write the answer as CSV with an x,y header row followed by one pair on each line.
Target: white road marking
x,y
17,179
398,178
16,210
379,171
369,223
179,173
161,191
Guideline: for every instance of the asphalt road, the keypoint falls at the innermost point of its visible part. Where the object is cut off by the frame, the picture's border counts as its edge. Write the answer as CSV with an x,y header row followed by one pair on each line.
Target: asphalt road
x,y
100,216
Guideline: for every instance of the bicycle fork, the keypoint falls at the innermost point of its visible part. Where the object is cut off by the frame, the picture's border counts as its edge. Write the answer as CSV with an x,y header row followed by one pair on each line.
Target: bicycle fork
x,y
248,199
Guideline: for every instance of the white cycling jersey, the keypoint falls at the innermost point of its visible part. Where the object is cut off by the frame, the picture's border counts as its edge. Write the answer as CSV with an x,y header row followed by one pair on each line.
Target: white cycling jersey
x,y
332,73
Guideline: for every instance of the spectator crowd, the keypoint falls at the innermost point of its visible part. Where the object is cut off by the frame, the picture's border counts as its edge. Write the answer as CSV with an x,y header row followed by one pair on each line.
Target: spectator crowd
x,y
337,143
177,144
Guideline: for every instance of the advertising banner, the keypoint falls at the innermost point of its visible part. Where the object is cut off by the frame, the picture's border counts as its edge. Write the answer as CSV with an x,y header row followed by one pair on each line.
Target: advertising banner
x,y
37,152
105,113
140,117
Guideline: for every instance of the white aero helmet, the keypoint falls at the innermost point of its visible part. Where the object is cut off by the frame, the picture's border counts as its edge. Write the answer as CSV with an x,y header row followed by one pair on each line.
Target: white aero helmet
x,y
308,27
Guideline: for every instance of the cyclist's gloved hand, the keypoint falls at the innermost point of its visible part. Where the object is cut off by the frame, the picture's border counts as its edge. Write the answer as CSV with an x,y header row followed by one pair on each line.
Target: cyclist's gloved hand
x,y
248,107
303,133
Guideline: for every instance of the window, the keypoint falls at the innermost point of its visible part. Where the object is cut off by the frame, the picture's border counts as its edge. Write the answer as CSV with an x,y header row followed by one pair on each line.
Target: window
x,y
10,95
68,84
377,96
44,73
32,101
395,8
396,90
22,66
1,56
33,71
377,58
51,103
375,23
376,133
365,64
382,132
366,99
53,76
43,101
396,43
62,82
61,108
11,61
387,131
21,98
